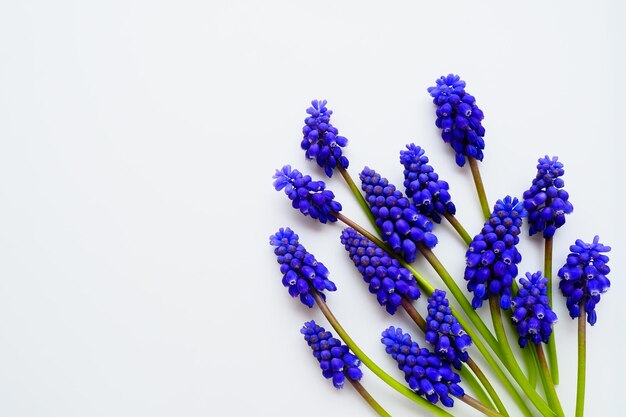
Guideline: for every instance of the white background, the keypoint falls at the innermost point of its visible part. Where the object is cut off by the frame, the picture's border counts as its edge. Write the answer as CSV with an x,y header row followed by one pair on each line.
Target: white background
x,y
137,144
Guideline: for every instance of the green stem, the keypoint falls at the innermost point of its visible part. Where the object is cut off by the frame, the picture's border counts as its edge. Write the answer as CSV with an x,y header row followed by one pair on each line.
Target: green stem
x,y
548,386
547,272
357,193
509,359
531,367
459,228
485,382
582,362
480,188
368,397
472,402
385,377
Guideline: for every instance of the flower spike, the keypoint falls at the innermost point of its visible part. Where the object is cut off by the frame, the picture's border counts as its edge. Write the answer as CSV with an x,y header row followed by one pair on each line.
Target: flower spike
x,y
459,118
583,277
302,273
532,314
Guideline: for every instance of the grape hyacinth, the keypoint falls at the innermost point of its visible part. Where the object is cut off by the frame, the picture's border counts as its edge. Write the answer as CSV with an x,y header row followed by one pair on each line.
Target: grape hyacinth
x,y
459,118
310,197
402,226
334,357
302,273
492,257
426,373
583,277
429,193
444,332
546,201
386,278
321,140
532,314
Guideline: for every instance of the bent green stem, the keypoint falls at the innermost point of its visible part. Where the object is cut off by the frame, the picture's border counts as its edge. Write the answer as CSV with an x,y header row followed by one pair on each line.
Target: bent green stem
x,y
548,386
368,397
459,228
582,362
480,188
547,272
357,194
385,377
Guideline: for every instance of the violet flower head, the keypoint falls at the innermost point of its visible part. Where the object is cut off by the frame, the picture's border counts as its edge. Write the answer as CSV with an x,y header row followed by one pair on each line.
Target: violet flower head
x,y
321,140
402,226
546,201
459,118
334,357
310,197
426,373
423,186
444,332
492,257
302,273
532,315
386,278
583,277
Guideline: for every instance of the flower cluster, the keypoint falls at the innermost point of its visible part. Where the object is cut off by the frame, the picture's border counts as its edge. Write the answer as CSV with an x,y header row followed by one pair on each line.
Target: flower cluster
x,y
444,332
403,227
583,277
386,278
492,257
546,201
532,314
459,118
310,197
429,193
334,357
425,372
321,140
302,273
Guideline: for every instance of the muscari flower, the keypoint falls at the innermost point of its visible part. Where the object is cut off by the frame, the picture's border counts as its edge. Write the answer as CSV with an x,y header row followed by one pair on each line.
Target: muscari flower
x,y
532,314
546,201
302,273
402,226
429,193
492,257
386,278
321,140
310,197
426,373
459,118
334,357
583,277
444,332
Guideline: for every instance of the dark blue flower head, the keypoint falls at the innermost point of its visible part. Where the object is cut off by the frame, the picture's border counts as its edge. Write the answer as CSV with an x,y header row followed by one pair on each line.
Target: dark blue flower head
x,y
386,278
532,314
301,271
583,277
334,357
402,226
429,193
425,372
459,118
444,332
492,257
321,140
310,197
546,201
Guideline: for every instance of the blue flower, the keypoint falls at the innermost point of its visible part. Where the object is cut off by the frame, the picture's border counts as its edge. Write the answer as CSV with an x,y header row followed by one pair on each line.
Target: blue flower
x,y
532,314
386,278
444,332
321,140
459,118
302,273
546,201
310,197
429,193
492,257
402,226
334,357
583,277
425,372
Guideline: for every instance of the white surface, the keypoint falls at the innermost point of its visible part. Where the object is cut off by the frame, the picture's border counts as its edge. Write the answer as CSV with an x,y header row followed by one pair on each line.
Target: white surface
x,y
138,141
